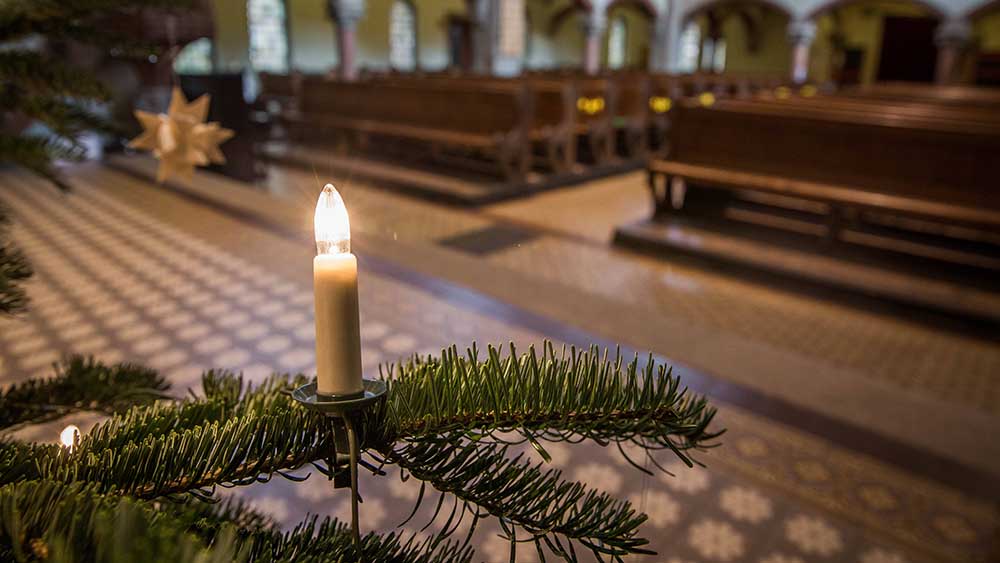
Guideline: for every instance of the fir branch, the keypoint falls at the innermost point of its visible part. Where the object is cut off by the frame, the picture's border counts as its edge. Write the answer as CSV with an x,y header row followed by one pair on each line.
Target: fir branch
x,y
68,18
65,523
549,396
489,482
330,540
14,270
38,153
58,522
80,384
29,73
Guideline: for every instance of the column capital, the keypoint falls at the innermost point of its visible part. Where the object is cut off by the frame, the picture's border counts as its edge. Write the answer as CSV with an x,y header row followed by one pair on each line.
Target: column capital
x,y
801,32
347,12
953,32
595,22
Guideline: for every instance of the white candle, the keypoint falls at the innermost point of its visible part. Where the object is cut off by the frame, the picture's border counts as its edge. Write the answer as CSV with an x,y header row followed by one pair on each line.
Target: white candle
x,y
335,284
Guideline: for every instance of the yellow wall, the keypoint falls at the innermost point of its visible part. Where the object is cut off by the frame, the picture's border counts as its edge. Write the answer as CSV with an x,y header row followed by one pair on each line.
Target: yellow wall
x,y
773,53
637,33
311,36
231,36
861,25
987,32
565,48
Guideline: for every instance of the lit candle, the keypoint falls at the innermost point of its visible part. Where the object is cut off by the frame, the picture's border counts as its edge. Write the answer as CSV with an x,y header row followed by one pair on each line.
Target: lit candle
x,y
335,284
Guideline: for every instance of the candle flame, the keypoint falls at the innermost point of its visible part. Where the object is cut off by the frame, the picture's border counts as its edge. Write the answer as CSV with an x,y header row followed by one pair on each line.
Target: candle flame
x,y
333,228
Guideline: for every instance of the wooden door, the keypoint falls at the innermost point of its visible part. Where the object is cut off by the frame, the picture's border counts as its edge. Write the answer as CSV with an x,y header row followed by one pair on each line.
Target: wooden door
x,y
908,50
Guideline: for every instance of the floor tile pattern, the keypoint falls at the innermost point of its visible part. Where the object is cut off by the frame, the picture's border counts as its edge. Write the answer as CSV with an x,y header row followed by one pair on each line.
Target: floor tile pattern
x,y
917,358
181,288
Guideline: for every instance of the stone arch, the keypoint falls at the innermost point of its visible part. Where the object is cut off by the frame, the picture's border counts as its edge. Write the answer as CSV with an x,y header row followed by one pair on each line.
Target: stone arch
x,y
982,9
645,7
937,8
701,6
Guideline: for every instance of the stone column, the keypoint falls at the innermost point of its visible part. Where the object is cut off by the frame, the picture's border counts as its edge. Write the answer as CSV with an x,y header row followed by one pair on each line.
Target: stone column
x,y
660,42
801,34
508,37
346,14
594,26
952,36
481,14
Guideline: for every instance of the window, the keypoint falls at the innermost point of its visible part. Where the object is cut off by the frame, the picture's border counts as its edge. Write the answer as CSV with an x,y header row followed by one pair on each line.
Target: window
x,y
195,58
719,56
268,36
403,36
617,43
689,47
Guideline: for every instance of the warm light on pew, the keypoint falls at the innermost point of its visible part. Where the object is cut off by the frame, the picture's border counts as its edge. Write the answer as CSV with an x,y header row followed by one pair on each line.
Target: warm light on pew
x,y
808,91
590,106
660,104
706,99
782,92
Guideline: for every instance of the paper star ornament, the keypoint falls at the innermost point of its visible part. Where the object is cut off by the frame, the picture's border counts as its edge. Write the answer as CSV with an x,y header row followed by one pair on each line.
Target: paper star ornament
x,y
180,138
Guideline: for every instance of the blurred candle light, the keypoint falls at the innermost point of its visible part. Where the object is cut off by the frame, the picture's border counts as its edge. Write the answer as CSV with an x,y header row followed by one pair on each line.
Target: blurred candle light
x,y
68,436
335,285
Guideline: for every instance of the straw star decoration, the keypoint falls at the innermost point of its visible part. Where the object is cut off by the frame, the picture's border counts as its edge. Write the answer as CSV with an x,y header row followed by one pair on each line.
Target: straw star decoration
x,y
180,138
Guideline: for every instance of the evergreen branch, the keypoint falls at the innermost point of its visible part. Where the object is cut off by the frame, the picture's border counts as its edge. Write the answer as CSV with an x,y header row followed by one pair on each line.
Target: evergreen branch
x,y
14,270
37,154
80,384
330,540
522,494
549,396
68,18
64,523
58,522
33,74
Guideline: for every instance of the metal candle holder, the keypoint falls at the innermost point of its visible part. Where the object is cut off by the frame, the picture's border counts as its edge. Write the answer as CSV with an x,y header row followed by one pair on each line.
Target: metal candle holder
x,y
343,410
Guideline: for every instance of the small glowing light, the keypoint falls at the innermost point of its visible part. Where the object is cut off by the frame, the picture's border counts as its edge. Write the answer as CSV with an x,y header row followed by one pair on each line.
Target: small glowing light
x,y
808,91
660,104
590,106
782,93
69,435
332,226
706,99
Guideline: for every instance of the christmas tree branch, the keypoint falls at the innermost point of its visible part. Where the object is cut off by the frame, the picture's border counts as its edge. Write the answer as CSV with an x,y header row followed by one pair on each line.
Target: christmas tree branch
x,y
550,396
43,520
524,495
35,74
14,270
54,522
80,384
38,153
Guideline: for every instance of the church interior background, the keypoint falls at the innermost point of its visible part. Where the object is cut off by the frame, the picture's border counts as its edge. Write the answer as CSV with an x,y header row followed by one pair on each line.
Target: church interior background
x,y
861,392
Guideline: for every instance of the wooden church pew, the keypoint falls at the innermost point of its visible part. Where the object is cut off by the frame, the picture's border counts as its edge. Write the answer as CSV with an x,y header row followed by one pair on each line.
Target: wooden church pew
x,y
961,96
488,121
849,162
551,126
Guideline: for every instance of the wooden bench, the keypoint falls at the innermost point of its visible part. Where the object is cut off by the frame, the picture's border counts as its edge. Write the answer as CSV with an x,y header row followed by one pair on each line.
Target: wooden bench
x,y
854,164
960,96
553,111
488,121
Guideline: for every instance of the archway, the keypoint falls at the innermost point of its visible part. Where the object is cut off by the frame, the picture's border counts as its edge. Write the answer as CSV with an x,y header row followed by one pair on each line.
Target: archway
x,y
739,36
864,41
628,34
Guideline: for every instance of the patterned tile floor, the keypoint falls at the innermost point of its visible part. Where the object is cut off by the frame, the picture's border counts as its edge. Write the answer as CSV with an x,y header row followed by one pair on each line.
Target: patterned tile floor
x,y
129,271
921,359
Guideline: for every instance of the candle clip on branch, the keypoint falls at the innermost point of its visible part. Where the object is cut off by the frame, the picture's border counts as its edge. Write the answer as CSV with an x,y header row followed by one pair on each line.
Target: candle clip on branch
x,y
344,412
